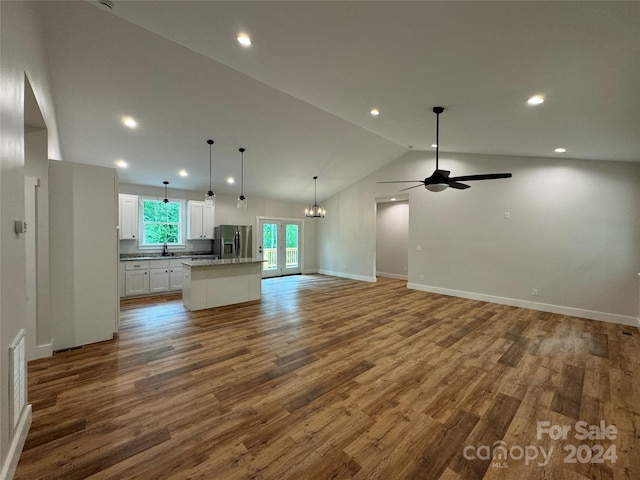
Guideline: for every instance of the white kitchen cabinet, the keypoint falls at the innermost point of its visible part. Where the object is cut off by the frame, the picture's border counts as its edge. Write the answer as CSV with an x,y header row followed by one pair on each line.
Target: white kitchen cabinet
x,y
175,275
200,221
158,276
158,280
128,216
151,276
121,280
136,282
136,278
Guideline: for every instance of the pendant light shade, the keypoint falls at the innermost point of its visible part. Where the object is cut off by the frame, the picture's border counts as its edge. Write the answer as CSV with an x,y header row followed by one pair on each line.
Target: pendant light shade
x,y
166,186
210,197
315,210
242,200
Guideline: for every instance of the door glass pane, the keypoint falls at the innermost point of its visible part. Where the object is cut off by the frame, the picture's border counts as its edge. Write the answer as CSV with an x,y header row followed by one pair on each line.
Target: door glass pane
x,y
291,246
270,246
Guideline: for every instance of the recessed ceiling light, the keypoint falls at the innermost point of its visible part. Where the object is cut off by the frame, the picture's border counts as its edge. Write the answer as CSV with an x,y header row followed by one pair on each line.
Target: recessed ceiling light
x,y
560,150
230,180
244,40
122,164
183,173
536,100
434,145
129,122
374,112
393,199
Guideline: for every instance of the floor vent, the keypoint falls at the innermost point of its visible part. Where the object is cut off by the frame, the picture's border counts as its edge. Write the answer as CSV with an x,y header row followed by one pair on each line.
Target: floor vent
x,y
17,380
627,333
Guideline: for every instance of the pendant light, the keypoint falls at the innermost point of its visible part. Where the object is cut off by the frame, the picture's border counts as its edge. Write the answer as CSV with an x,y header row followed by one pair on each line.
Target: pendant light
x,y
242,200
210,197
166,186
315,211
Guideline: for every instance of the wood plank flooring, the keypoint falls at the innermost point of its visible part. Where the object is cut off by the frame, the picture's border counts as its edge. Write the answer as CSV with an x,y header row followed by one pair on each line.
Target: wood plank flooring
x,y
328,378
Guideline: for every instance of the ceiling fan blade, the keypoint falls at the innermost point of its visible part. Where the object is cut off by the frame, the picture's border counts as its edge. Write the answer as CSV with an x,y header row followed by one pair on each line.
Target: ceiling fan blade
x,y
458,185
409,188
440,179
404,181
486,176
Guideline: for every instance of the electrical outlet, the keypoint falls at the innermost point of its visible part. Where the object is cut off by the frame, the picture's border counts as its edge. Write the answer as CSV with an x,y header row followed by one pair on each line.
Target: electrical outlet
x,y
507,215
418,248
534,292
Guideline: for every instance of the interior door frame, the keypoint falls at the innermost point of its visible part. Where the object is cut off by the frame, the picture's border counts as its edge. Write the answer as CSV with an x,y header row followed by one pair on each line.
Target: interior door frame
x,y
284,221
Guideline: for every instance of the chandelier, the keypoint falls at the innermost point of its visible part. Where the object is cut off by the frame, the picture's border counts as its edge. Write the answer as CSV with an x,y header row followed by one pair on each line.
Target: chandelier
x,y
315,210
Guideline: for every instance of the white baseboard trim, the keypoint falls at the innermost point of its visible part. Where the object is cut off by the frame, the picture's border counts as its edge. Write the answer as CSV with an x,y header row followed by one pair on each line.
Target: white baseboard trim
x,y
362,278
543,307
43,351
309,271
15,449
392,275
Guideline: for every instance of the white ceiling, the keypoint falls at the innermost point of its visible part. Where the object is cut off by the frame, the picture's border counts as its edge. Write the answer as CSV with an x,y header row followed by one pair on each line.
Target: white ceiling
x,y
299,99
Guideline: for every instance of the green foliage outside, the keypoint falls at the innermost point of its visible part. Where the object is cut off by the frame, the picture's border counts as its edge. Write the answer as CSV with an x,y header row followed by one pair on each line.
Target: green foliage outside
x,y
270,236
161,222
292,236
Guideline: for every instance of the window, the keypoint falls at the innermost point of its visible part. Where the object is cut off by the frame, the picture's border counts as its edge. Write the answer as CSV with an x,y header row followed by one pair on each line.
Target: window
x,y
162,222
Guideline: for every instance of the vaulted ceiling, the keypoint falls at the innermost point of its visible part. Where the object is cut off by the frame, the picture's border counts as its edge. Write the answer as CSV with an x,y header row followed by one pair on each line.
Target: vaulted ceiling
x,y
298,99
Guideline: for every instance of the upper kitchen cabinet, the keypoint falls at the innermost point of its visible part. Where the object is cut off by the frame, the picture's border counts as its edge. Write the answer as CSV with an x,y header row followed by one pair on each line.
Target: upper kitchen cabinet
x,y
128,216
200,221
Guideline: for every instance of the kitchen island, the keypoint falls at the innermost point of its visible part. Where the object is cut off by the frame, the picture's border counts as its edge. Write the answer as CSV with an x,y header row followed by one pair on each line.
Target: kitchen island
x,y
212,283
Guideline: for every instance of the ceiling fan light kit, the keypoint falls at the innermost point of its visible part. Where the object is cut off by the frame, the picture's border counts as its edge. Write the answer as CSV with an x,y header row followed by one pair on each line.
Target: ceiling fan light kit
x,y
440,179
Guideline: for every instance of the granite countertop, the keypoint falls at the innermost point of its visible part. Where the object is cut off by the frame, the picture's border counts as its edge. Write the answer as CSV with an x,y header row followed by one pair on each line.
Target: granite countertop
x,y
167,257
207,262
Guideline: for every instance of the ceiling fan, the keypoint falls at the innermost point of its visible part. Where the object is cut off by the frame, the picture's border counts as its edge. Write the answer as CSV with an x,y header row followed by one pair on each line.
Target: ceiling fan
x,y
440,179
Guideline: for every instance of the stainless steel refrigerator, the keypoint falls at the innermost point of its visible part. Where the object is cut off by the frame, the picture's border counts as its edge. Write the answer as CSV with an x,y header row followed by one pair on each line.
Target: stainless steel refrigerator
x,y
233,241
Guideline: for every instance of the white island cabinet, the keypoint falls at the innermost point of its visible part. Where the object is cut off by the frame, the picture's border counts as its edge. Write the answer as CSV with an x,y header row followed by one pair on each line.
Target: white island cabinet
x,y
213,283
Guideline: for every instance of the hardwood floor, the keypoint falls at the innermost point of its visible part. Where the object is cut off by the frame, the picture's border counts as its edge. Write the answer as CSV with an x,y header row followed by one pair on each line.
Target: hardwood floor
x,y
330,378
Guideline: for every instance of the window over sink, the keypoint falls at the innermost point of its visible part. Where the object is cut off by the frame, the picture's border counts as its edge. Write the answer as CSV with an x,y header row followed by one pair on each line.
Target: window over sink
x,y
162,222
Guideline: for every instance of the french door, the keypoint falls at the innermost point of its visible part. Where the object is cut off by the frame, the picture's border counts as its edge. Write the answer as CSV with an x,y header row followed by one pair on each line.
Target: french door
x,y
280,244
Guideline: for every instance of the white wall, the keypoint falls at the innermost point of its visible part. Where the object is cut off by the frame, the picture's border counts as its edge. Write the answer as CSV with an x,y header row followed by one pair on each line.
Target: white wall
x,y
84,253
37,165
22,52
226,213
574,232
392,239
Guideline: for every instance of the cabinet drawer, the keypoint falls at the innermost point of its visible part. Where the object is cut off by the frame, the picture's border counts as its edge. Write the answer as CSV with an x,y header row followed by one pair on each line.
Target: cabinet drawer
x,y
159,264
144,265
175,263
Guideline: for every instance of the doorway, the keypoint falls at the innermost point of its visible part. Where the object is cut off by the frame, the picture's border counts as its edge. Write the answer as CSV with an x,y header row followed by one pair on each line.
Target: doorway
x,y
280,244
36,214
392,239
